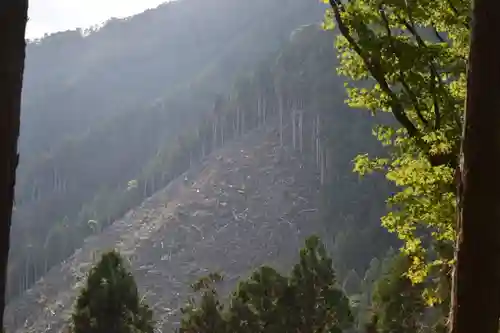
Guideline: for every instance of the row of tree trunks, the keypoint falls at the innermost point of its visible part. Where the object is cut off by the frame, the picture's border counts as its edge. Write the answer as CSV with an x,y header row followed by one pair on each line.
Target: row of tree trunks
x,y
13,18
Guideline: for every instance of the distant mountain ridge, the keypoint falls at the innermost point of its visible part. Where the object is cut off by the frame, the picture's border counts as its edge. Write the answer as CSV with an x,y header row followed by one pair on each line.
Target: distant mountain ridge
x,y
98,110
130,62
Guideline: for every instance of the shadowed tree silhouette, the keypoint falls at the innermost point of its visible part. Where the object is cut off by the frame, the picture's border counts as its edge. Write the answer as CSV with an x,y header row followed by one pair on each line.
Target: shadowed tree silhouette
x,y
13,18
110,302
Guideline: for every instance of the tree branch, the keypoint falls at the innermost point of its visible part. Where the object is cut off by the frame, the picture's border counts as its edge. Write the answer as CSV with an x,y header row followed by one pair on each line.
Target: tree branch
x,y
437,113
434,73
373,65
375,69
438,35
402,79
455,11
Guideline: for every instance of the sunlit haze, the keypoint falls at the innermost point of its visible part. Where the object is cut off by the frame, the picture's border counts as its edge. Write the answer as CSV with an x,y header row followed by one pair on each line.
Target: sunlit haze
x,y
47,16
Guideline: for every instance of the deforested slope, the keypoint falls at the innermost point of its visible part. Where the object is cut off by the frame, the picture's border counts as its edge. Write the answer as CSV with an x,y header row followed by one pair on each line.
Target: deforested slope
x,y
249,203
280,148
99,109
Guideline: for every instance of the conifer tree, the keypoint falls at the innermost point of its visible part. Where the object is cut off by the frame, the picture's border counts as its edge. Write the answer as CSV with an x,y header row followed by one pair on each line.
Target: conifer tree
x,y
110,303
307,301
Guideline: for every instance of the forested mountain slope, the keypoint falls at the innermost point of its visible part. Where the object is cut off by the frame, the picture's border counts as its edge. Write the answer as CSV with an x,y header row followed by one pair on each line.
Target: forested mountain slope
x,y
130,63
249,203
102,110
268,140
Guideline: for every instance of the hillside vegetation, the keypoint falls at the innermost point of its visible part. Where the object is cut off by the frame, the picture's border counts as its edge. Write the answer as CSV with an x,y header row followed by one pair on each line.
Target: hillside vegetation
x,y
273,153
106,109
161,162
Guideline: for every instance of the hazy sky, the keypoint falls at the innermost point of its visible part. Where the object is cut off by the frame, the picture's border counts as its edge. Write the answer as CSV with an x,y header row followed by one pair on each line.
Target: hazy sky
x,y
57,15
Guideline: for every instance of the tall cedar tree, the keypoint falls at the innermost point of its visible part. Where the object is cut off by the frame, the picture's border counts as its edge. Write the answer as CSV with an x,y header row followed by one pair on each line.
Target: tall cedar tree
x,y
13,18
110,301
476,281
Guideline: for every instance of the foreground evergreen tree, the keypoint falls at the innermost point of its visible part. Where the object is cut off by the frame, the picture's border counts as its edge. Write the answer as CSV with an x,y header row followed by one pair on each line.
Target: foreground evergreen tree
x,y
307,301
110,302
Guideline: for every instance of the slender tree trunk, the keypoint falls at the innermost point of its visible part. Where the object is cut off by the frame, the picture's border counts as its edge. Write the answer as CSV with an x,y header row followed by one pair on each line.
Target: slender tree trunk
x,y
243,122
264,111
35,271
234,126
27,272
13,18
145,187
475,305
318,141
280,108
313,138
322,166
214,135
301,132
328,159
259,111
221,130
238,121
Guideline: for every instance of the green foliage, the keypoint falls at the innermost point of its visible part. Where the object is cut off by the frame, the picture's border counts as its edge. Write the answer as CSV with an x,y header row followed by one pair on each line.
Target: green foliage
x,y
397,304
409,58
110,301
308,300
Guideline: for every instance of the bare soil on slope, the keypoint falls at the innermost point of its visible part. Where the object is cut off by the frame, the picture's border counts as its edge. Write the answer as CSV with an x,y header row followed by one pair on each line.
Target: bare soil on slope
x,y
248,204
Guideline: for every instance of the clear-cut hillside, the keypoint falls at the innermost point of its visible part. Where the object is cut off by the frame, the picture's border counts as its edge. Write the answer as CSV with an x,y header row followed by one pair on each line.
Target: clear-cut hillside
x,y
103,109
249,203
